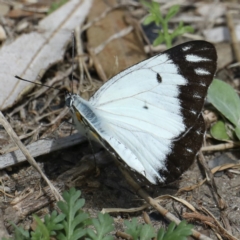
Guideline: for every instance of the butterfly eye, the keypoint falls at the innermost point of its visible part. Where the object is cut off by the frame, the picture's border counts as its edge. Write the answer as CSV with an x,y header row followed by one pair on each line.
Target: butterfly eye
x,y
68,101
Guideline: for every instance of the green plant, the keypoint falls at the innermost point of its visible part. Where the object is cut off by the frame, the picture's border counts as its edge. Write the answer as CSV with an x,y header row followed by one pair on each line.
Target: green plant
x,y
55,5
139,231
164,34
173,232
73,224
224,98
103,225
146,231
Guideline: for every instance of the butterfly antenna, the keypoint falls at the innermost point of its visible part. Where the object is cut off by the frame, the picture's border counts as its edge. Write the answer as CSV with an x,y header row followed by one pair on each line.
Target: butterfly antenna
x,y
39,84
73,47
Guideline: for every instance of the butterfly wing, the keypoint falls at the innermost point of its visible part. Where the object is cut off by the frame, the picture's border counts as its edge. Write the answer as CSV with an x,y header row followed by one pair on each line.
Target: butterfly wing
x,y
151,112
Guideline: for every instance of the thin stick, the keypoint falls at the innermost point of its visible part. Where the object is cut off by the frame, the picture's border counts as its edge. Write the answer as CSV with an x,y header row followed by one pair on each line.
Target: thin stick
x,y
39,84
222,146
73,46
233,35
98,66
30,159
211,181
82,64
117,35
80,59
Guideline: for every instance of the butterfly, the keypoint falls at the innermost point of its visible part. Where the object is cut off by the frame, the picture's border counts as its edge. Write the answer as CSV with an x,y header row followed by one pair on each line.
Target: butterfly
x,y
149,115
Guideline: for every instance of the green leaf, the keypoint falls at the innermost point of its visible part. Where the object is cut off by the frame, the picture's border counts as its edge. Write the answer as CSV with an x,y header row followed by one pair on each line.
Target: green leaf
x,y
149,19
186,29
54,6
78,234
168,40
103,225
172,12
160,234
154,13
91,234
159,39
181,232
180,30
171,227
133,228
53,222
224,98
156,17
237,131
74,222
218,131
147,232
41,230
19,234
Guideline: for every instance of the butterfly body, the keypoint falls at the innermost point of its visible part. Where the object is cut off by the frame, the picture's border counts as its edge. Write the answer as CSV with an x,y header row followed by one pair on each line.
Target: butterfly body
x,y
149,115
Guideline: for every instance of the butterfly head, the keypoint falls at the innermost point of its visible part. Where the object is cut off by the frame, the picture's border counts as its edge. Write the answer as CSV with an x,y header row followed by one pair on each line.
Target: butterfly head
x,y
70,100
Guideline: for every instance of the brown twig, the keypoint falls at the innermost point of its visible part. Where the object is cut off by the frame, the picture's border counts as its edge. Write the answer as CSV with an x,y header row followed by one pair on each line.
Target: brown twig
x,y
61,115
218,226
98,66
82,65
79,54
210,179
146,218
30,159
233,35
220,147
214,170
123,235
226,222
198,216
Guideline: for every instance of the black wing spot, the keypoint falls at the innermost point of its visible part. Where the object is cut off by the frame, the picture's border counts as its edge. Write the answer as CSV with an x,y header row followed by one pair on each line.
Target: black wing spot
x,y
145,106
159,78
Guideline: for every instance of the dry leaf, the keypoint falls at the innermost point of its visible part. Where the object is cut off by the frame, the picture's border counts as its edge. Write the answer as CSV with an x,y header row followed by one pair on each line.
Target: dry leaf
x,y
4,9
34,52
119,53
2,34
211,10
19,13
220,34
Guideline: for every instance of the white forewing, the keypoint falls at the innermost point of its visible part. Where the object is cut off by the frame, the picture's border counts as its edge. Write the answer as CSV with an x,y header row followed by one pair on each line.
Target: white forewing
x,y
143,113
138,79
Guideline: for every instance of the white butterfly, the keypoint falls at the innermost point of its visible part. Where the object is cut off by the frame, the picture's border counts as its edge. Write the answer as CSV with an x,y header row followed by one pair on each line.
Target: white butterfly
x,y
149,115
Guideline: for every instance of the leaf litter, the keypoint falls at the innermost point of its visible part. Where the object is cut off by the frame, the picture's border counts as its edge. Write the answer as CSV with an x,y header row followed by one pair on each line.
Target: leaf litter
x,y
36,116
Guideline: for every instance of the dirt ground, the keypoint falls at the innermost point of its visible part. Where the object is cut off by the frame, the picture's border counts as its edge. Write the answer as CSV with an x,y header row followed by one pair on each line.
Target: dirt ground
x,y
108,189
23,191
